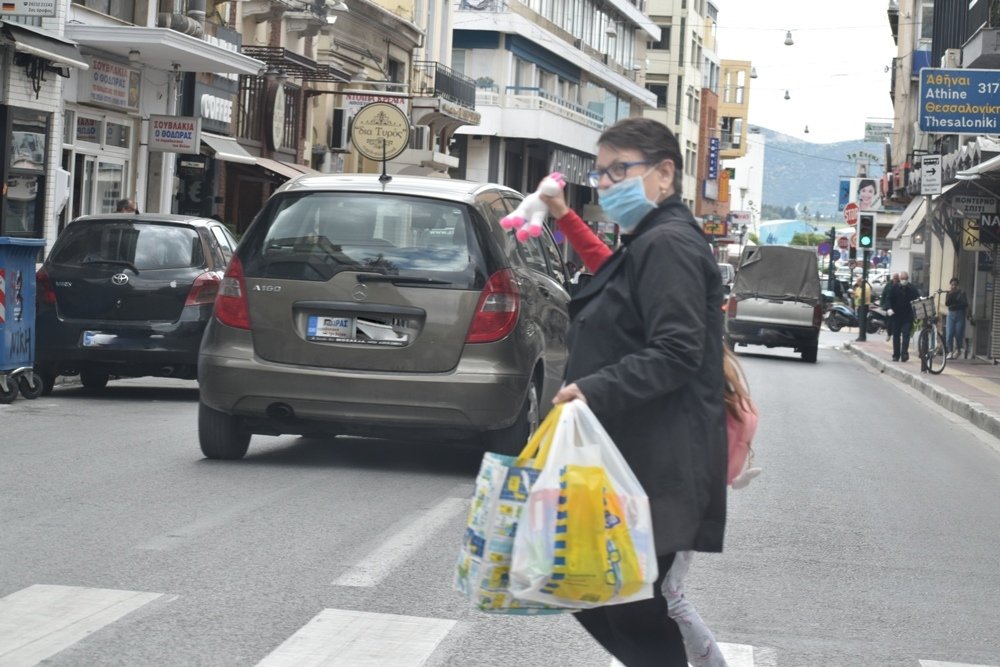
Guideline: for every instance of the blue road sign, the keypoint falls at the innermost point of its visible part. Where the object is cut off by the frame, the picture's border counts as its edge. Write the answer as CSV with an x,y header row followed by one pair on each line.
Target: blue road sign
x,y
954,101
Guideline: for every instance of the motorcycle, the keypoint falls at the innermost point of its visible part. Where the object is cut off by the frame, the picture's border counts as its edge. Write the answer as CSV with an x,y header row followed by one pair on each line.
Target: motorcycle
x,y
841,315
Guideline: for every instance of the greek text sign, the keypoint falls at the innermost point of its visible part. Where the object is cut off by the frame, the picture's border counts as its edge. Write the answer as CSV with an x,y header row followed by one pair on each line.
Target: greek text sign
x,y
174,134
28,8
110,84
956,101
380,131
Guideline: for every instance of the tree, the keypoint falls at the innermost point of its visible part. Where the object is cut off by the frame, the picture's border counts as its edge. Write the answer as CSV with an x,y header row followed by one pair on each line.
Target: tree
x,y
807,239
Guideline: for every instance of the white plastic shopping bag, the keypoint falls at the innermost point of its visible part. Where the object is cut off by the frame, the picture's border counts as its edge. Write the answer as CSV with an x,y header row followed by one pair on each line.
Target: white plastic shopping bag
x,y
585,538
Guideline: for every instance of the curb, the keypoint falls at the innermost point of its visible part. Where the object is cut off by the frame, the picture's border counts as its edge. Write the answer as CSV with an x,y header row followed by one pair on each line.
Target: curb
x,y
975,413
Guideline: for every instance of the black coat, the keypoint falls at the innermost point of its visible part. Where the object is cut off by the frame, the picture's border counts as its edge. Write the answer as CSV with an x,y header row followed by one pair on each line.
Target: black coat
x,y
646,351
899,301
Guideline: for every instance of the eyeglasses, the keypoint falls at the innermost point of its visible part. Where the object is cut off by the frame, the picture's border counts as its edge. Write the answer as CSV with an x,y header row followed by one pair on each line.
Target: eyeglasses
x,y
615,173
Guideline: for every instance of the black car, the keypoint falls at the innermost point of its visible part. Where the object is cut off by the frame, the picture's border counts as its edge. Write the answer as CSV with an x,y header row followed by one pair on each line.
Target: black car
x,y
128,295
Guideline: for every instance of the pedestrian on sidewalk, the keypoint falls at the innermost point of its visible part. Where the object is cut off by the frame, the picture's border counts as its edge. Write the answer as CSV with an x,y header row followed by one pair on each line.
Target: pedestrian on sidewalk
x,y
900,312
649,363
883,302
958,306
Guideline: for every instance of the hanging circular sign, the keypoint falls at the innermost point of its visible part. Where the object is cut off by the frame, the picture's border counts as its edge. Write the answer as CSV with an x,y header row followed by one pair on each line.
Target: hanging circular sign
x,y
277,134
380,131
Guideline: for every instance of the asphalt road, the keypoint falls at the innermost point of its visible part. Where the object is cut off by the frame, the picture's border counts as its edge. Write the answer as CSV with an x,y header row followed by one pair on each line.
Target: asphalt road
x,y
870,539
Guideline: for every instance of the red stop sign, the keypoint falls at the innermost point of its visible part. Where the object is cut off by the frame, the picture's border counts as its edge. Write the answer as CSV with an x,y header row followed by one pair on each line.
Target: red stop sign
x,y
851,214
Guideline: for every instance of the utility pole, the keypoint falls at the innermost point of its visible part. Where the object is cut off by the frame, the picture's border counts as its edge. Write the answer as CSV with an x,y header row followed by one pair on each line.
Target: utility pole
x,y
829,267
863,306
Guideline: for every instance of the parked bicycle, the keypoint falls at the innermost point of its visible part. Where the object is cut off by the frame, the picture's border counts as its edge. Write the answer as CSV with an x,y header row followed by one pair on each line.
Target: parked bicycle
x,y
930,343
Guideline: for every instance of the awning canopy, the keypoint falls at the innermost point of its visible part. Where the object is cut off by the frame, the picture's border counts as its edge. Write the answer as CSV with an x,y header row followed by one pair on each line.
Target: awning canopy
x,y
227,149
909,220
977,171
284,169
163,48
36,42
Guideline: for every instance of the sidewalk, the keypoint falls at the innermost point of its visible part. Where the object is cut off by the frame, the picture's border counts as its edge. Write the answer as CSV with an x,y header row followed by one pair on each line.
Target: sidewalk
x,y
968,387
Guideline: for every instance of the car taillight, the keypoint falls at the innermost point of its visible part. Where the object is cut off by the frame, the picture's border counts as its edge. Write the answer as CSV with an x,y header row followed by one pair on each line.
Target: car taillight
x,y
497,310
818,315
231,305
44,291
204,290
731,307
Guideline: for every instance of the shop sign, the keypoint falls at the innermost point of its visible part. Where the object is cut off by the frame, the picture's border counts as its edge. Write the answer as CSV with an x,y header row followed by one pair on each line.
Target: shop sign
x,y
174,134
972,205
970,236
989,228
715,228
277,133
27,8
877,132
380,131
110,84
713,158
357,101
215,107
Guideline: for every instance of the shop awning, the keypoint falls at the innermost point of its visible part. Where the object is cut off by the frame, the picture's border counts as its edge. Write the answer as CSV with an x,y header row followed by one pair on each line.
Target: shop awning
x,y
909,220
285,169
36,42
227,148
977,171
163,48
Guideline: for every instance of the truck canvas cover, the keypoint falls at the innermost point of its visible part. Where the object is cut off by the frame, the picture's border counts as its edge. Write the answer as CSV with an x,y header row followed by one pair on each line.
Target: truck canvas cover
x,y
777,272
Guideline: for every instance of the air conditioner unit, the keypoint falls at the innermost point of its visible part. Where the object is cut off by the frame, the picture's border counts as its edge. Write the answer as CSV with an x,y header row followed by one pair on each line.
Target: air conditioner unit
x,y
340,131
952,59
418,137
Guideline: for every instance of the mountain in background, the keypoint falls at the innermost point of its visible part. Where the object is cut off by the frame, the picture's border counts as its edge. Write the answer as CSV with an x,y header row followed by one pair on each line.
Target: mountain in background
x,y
800,174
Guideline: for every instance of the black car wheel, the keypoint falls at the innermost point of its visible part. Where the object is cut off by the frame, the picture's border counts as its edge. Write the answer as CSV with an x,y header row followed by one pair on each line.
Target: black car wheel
x,y
31,389
93,380
511,440
221,436
48,381
10,394
809,353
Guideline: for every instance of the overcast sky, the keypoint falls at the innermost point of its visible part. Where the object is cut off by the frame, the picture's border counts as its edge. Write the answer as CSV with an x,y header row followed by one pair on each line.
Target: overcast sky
x,y
835,73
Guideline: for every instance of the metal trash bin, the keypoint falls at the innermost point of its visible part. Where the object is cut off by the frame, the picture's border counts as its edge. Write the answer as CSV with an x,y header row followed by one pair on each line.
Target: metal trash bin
x,y
17,318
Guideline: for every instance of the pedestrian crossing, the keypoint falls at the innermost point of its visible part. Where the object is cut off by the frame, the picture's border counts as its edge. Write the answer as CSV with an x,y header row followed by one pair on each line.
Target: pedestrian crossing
x,y
40,621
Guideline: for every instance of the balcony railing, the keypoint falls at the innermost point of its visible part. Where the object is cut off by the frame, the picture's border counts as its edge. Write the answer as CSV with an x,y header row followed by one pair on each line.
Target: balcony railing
x,y
432,79
521,97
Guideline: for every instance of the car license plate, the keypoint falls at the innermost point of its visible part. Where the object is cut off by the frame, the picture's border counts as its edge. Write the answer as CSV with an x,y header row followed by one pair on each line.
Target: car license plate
x,y
322,328
97,339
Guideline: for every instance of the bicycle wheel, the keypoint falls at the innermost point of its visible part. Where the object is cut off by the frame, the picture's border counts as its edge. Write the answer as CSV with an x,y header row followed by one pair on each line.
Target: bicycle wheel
x,y
936,357
922,343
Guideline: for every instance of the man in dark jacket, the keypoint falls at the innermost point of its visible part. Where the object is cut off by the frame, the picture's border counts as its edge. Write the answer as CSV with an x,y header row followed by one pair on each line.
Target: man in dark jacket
x,y
646,355
900,313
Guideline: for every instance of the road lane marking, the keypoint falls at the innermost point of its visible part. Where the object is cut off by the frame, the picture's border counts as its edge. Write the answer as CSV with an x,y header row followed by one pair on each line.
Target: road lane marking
x,y
40,621
360,639
408,535
736,655
935,663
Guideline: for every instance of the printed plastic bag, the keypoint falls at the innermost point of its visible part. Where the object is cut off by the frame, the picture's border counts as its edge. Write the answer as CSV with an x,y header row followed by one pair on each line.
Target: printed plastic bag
x,y
585,538
483,572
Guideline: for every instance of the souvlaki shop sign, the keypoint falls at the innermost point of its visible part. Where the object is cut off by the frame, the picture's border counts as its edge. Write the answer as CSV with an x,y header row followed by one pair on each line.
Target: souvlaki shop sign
x,y
174,134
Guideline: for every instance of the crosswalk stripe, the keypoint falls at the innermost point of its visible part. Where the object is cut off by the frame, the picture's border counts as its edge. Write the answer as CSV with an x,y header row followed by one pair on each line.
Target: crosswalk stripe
x,y
736,655
40,621
935,663
407,536
360,639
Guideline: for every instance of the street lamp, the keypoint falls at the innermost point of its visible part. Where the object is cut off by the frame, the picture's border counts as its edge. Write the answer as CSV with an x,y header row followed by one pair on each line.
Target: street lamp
x,y
743,234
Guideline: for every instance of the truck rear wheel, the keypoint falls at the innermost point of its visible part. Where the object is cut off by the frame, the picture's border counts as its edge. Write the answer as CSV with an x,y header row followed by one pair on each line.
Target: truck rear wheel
x,y
809,353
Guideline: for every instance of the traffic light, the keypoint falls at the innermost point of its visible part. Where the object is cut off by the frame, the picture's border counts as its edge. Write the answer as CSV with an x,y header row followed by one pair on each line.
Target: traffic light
x,y
866,231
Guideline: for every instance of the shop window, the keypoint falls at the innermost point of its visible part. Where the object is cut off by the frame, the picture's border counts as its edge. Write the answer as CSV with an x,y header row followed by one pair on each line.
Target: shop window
x,y
251,101
87,130
117,134
120,9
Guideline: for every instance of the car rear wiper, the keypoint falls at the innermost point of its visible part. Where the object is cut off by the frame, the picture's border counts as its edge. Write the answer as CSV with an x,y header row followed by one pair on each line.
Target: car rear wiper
x,y
117,262
386,278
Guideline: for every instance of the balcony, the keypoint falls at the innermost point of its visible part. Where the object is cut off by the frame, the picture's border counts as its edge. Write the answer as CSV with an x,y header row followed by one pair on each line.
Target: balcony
x,y
983,50
432,79
521,97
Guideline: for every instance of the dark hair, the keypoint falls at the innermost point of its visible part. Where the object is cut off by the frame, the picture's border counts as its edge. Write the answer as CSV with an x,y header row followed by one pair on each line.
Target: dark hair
x,y
865,182
123,204
651,138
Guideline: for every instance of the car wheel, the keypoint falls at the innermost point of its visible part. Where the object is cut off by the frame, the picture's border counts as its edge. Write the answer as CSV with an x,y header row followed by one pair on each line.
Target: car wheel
x,y
93,379
809,353
221,436
10,394
511,440
31,389
48,381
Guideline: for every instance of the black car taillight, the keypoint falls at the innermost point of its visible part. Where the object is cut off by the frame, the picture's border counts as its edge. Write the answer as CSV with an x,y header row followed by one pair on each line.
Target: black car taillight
x,y
231,305
45,292
497,310
204,290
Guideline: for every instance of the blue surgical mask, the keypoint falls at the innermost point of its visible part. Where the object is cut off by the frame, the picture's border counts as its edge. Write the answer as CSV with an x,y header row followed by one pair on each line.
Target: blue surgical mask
x,y
626,203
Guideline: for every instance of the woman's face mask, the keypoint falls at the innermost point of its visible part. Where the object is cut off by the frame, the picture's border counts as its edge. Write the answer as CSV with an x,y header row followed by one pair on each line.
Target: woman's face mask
x,y
626,202
903,281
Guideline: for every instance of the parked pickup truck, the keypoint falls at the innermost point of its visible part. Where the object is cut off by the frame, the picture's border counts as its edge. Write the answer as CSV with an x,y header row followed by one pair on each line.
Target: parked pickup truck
x,y
776,300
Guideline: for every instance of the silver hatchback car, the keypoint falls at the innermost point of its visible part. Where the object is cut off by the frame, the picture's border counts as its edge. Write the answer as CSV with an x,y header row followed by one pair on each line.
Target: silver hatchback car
x,y
395,309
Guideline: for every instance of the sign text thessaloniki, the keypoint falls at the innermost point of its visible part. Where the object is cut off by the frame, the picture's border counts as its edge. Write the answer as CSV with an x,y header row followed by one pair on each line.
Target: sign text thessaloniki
x,y
954,101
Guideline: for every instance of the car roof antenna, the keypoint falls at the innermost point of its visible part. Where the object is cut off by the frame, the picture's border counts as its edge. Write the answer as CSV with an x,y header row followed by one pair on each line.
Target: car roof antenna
x,y
384,178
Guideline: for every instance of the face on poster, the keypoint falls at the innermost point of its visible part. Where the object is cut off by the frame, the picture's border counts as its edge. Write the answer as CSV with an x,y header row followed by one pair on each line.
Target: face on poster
x,y
861,191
